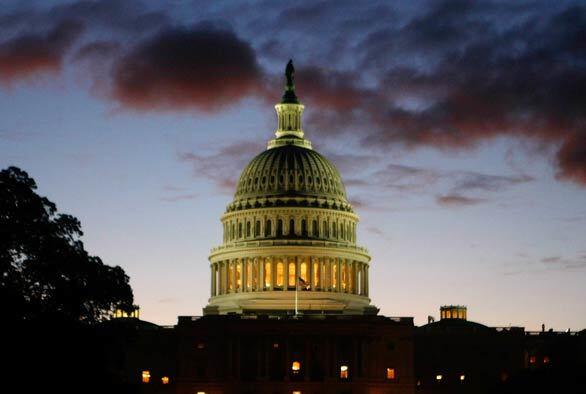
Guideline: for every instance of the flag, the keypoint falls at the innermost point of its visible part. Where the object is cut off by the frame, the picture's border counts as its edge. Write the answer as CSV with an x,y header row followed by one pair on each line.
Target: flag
x,y
303,283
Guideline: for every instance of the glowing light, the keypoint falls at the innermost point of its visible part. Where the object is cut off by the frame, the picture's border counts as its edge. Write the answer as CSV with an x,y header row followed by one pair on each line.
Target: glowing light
x,y
391,373
344,372
146,376
439,377
165,380
546,360
296,366
462,377
275,345
532,360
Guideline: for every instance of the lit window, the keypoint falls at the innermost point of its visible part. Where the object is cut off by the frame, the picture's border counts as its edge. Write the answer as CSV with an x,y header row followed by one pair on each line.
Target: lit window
x,y
532,360
296,392
146,376
201,392
439,378
303,271
201,345
334,274
238,275
344,372
391,373
462,377
275,345
267,272
296,367
546,360
291,280
165,380
280,274
316,273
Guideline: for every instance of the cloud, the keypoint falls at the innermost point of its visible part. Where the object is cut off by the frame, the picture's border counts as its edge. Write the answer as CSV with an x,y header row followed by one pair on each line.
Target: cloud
x,y
456,200
224,166
180,197
202,67
448,74
30,54
474,181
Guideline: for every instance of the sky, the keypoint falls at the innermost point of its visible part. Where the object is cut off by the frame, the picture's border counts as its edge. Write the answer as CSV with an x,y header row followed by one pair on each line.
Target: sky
x,y
459,129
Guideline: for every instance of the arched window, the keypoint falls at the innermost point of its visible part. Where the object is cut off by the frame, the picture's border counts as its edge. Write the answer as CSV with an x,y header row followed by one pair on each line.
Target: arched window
x,y
238,275
280,274
268,228
326,227
303,228
232,232
255,274
344,276
350,276
267,273
303,270
247,229
231,276
291,227
291,276
239,230
248,273
314,229
335,273
257,229
342,231
279,228
334,230
316,276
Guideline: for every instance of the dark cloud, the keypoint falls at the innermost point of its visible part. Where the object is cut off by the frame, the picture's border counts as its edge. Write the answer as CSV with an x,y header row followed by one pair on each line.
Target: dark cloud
x,y
30,54
457,200
204,68
445,74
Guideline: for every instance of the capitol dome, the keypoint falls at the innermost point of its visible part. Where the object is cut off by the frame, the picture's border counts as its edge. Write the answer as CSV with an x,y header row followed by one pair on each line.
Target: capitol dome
x,y
292,175
289,235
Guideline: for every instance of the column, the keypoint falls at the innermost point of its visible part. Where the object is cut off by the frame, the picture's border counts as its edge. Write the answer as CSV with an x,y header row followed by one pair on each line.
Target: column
x,y
366,269
310,276
244,274
322,282
260,283
285,260
222,277
213,284
338,274
272,273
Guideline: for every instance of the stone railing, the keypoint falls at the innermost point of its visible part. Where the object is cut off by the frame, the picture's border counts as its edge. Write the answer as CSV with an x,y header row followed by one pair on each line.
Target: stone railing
x,y
289,242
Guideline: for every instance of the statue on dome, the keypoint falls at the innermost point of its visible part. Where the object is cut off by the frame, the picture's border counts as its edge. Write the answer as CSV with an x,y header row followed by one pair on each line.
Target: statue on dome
x,y
290,73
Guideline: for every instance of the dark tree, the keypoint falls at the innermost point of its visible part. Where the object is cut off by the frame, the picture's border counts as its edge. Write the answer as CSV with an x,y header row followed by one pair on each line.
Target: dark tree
x,y
46,274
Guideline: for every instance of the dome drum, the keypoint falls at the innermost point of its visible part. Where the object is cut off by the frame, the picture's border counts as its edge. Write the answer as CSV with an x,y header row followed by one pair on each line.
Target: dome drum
x,y
289,223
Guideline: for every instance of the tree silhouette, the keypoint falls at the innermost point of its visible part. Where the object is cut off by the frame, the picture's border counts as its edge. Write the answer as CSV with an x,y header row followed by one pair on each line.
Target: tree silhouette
x,y
46,274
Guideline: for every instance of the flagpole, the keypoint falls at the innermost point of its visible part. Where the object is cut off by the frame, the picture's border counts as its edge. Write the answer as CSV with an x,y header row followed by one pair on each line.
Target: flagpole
x,y
296,287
